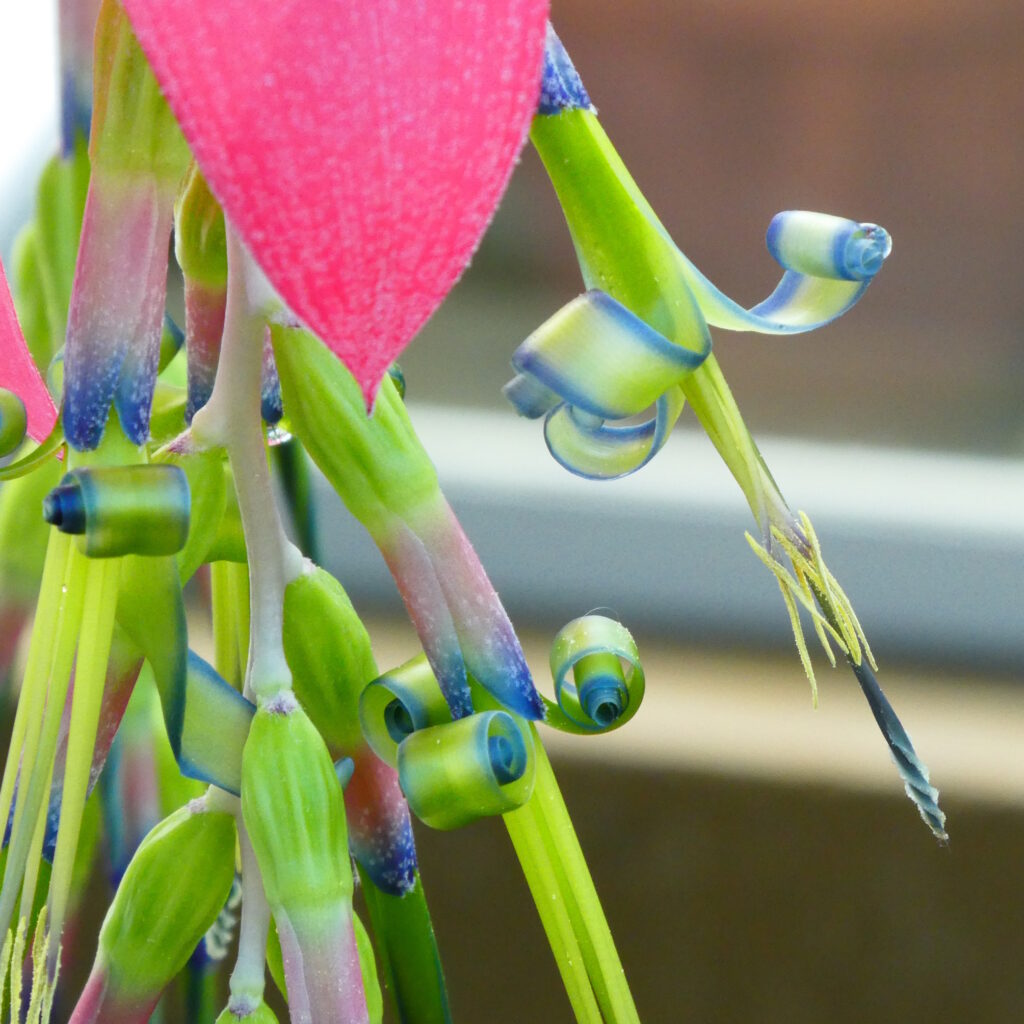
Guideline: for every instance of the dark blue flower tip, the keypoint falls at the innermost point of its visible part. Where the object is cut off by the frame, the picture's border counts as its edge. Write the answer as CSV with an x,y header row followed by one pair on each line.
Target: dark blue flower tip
x,y
175,334
603,700
64,507
512,686
75,114
398,721
508,755
271,407
560,87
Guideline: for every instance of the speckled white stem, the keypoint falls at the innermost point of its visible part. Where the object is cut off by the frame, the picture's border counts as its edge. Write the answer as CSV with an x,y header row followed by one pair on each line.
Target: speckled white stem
x,y
232,419
247,978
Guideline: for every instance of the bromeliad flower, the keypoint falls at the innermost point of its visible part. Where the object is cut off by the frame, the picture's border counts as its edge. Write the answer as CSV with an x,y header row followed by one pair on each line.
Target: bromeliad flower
x,y
386,479
116,315
333,170
639,337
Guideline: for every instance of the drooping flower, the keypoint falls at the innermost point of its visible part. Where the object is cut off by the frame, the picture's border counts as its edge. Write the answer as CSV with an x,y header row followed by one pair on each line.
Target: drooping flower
x,y
639,337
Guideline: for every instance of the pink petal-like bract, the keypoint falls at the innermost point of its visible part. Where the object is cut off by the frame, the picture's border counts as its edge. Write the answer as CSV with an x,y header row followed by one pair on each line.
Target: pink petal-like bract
x,y
18,373
359,147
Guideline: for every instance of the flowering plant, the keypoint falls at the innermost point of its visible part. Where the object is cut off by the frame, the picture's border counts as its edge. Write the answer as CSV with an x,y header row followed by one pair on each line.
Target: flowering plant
x,y
325,174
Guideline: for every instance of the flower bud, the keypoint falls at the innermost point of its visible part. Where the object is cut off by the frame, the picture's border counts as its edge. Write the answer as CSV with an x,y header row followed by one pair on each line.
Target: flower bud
x,y
293,809
133,129
172,892
200,243
328,652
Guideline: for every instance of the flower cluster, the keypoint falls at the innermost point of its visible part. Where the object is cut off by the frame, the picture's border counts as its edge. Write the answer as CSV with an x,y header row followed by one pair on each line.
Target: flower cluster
x,y
319,214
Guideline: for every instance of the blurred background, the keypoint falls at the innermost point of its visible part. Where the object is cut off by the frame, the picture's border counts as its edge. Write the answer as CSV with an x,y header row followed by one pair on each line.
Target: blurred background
x,y
756,857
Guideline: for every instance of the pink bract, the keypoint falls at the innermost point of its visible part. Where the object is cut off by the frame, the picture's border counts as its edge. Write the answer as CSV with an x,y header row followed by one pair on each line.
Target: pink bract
x,y
18,373
359,148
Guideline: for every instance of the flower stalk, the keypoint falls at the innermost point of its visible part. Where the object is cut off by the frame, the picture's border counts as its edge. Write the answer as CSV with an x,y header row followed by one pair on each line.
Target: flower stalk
x,y
231,419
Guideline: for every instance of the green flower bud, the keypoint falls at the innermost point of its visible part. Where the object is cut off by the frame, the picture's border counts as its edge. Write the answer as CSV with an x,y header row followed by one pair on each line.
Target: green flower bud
x,y
200,242
133,129
293,809
382,468
328,652
171,894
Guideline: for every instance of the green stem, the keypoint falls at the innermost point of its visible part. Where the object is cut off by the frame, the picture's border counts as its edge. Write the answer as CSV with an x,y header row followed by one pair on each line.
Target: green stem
x,y
715,407
555,827
247,978
240,582
549,897
35,854
100,604
33,690
225,642
41,743
231,418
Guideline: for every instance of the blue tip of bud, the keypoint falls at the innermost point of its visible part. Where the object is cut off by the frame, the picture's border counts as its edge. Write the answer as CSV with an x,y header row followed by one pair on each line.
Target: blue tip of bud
x,y
508,755
64,507
398,721
560,86
75,114
119,510
603,700
865,252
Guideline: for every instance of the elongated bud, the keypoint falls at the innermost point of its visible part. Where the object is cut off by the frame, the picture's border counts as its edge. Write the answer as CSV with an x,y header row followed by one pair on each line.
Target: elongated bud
x,y
293,809
329,654
121,510
133,129
115,317
200,246
171,894
200,242
470,768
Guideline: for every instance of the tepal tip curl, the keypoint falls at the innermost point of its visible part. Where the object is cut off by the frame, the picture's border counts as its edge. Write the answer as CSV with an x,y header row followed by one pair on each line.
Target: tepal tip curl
x,y
122,510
